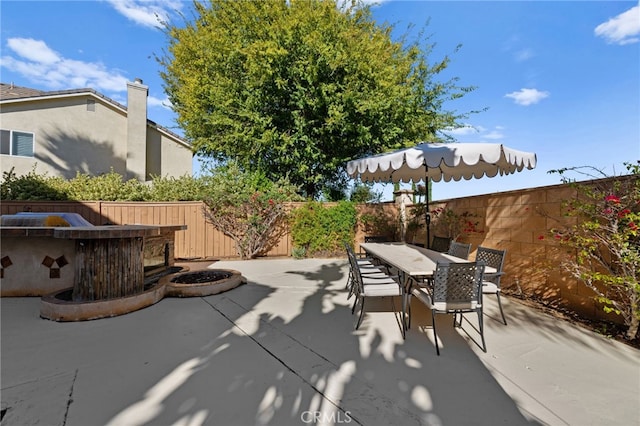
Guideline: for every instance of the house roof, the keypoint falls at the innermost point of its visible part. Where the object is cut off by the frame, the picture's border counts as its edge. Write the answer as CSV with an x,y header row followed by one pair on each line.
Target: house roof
x,y
9,91
13,93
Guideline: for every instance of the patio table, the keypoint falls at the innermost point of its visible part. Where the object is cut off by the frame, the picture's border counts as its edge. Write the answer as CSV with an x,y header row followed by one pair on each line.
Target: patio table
x,y
413,263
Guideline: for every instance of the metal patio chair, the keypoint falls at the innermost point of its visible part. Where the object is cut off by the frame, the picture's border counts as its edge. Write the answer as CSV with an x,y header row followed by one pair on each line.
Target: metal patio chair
x,y
491,283
375,285
440,244
456,289
368,266
460,250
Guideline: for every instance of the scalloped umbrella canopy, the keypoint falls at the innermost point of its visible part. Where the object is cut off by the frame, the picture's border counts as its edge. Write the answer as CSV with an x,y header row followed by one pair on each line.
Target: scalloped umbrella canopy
x,y
441,161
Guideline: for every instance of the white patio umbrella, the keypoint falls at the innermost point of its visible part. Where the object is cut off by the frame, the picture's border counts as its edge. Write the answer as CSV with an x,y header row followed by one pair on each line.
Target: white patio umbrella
x,y
441,161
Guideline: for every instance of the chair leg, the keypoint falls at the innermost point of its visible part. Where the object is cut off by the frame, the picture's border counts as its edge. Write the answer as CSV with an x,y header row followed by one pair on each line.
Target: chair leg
x,y
350,286
361,313
435,333
457,323
409,311
355,303
403,300
504,320
481,327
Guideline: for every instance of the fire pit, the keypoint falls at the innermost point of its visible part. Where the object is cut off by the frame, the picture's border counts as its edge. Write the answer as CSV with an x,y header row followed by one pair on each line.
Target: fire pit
x,y
204,282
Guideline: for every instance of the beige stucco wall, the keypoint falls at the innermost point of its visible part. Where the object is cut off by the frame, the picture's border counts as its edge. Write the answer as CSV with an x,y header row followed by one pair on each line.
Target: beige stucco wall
x,y
69,138
137,131
166,158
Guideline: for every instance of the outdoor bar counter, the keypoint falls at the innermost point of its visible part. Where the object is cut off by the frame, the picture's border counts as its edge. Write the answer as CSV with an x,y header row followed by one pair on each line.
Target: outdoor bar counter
x,y
105,262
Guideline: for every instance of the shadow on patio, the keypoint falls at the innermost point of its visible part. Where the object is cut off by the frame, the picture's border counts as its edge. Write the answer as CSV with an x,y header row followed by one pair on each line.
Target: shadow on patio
x,y
283,350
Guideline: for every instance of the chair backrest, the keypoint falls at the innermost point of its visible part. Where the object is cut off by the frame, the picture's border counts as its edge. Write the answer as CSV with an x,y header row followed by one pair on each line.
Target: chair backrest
x,y
376,239
440,244
355,269
493,258
457,286
348,248
460,250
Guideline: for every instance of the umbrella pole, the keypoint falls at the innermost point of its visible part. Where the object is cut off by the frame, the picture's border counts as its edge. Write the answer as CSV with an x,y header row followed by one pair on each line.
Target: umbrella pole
x,y
427,213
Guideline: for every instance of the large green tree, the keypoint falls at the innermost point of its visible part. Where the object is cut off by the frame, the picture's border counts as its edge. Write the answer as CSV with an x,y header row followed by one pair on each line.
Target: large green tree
x,y
298,87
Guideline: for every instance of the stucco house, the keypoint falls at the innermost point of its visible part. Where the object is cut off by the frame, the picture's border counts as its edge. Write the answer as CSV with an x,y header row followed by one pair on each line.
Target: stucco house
x,y
80,130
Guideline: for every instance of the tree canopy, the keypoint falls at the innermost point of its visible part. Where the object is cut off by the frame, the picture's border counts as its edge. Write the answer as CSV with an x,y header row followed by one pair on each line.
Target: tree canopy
x,y
297,88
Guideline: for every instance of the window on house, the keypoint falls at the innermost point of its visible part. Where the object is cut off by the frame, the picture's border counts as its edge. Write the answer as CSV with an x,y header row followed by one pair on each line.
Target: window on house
x,y
16,143
91,105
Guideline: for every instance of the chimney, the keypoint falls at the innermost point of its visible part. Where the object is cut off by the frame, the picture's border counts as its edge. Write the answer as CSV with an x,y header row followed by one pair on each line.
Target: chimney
x,y
137,130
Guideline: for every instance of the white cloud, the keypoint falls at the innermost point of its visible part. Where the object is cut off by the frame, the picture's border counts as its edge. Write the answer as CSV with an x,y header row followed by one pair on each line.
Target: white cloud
x,y
42,65
162,103
494,135
33,50
465,130
524,55
148,13
477,132
527,96
622,29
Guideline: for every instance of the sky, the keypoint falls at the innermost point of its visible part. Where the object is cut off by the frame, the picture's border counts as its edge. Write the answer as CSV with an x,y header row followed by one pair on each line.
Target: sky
x,y
558,78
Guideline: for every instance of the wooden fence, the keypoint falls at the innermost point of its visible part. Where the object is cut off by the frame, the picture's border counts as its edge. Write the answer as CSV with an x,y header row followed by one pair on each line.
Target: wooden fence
x,y
199,241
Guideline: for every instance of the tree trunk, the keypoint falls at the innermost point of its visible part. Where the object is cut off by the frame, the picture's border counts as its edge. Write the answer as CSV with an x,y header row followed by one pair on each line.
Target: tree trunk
x,y
632,331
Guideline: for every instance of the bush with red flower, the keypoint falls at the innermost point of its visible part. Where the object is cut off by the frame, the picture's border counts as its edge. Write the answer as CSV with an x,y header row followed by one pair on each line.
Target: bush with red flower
x,y
448,223
606,241
247,207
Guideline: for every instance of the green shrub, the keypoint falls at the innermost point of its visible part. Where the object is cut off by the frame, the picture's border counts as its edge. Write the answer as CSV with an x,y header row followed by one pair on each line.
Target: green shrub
x,y
32,186
106,187
184,188
321,230
364,193
298,252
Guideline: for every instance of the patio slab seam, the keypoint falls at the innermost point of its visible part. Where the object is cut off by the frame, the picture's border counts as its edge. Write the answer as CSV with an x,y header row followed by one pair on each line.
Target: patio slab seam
x,y
362,407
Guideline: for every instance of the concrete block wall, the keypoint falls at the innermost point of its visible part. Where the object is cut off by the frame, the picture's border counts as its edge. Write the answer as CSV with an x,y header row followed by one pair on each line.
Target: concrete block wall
x,y
521,222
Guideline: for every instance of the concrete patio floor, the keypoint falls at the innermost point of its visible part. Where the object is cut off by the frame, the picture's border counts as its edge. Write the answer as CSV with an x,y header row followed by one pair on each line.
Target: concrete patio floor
x,y
282,350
